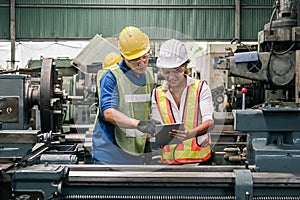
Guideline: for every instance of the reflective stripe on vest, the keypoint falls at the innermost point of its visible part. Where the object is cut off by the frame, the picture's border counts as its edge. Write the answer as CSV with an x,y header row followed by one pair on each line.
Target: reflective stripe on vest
x,y
132,100
163,102
188,151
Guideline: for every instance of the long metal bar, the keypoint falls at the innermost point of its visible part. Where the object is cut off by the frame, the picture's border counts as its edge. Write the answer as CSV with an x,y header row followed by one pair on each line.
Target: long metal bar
x,y
159,174
18,137
149,197
173,182
131,6
177,176
12,34
297,76
237,19
156,168
150,6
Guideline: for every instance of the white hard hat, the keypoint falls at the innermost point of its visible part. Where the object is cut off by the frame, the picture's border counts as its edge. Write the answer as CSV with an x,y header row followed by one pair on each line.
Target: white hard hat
x,y
172,54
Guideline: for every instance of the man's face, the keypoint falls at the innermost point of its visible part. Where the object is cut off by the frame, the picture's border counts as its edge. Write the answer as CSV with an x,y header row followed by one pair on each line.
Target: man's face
x,y
138,65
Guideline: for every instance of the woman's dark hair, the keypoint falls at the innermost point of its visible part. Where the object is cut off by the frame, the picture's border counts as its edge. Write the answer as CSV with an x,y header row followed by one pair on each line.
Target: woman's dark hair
x,y
187,71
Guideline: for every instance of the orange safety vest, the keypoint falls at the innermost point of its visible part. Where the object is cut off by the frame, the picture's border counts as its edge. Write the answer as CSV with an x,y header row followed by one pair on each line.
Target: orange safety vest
x,y
189,151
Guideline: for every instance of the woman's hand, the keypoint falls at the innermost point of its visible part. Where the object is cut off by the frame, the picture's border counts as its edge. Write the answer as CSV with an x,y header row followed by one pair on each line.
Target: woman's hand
x,y
179,134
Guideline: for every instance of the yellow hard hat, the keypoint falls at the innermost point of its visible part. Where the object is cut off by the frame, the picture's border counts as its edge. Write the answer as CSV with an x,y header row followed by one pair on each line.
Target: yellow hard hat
x,y
133,43
111,59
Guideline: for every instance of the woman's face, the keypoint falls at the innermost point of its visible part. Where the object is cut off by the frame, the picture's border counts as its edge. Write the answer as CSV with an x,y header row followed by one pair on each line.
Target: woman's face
x,y
174,76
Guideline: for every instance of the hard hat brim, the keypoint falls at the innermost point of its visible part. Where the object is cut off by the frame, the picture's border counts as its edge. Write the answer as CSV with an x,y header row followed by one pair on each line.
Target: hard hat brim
x,y
170,65
137,55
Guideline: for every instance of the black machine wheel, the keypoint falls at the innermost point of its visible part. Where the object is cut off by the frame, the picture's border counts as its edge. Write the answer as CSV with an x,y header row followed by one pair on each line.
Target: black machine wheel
x,y
51,97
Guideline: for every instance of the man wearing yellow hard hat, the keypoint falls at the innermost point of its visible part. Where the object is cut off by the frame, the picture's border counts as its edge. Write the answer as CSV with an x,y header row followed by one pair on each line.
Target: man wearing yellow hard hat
x,y
110,59
123,126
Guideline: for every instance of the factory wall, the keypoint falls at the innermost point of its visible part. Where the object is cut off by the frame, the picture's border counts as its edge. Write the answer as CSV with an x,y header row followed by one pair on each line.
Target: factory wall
x,y
76,19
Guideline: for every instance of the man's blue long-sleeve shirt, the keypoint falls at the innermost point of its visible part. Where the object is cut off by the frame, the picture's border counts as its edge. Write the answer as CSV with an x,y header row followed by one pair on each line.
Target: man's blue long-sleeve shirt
x,y
105,148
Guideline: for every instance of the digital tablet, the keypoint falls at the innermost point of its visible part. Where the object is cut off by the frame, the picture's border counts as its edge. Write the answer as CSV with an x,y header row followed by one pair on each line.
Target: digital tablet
x,y
162,136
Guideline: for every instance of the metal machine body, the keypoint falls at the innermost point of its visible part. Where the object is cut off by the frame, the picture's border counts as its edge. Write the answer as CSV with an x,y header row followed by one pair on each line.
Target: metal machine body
x,y
51,163
14,102
273,138
152,182
271,67
273,131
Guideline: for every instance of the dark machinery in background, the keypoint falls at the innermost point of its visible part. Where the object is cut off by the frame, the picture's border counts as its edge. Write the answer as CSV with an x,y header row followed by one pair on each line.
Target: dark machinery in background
x,y
271,75
81,104
26,102
18,98
43,157
79,86
272,65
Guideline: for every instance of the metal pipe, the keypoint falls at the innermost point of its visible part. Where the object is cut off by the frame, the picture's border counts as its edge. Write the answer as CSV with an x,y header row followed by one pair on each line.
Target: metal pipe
x,y
150,197
12,35
170,197
237,19
126,6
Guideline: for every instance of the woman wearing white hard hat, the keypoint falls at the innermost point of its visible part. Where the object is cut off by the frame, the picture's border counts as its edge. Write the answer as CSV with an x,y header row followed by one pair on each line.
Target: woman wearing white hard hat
x,y
182,98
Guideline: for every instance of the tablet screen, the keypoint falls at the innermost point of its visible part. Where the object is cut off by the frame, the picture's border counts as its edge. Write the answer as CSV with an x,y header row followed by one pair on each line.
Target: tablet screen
x,y
162,133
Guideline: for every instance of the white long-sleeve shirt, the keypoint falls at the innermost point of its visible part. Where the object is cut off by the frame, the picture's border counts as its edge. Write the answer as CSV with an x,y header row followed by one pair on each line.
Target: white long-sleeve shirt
x,y
205,111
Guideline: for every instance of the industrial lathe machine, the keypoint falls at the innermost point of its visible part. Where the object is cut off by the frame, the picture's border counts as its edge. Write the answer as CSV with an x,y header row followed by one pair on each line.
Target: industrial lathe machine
x,y
47,117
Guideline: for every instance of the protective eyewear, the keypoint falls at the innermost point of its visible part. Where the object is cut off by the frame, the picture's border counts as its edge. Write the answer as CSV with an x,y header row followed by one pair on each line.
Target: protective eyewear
x,y
142,58
175,72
